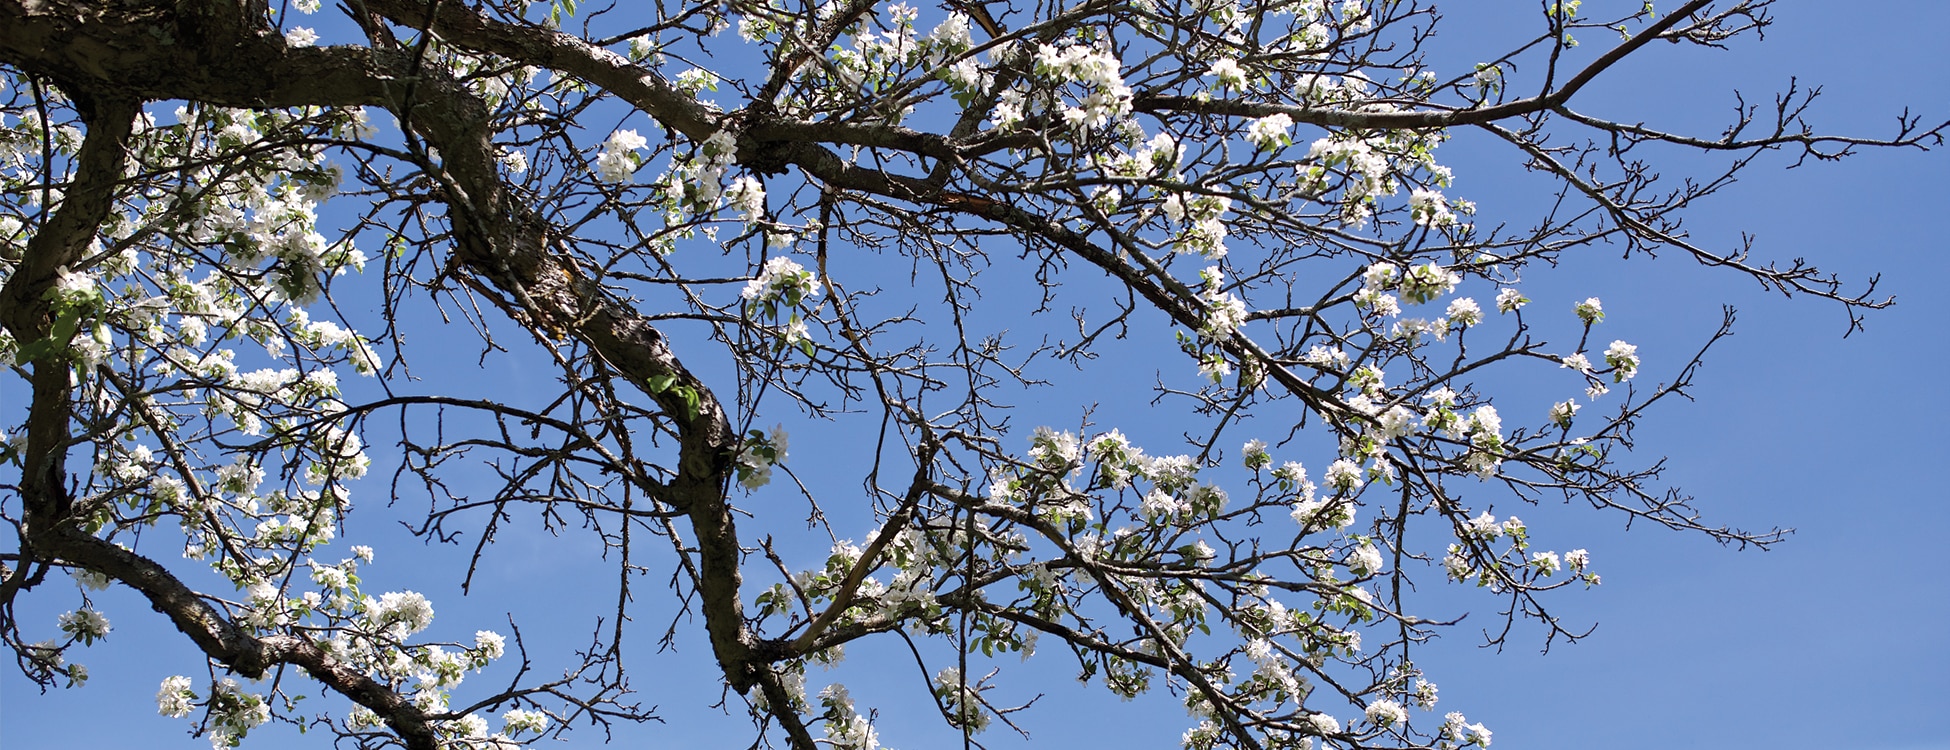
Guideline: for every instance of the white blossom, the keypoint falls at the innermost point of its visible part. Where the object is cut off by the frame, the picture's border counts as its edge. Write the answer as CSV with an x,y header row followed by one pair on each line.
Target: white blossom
x,y
1562,412
520,720
1386,713
1624,360
781,277
490,643
1271,132
1430,208
1344,475
1254,454
406,610
1225,312
619,159
84,624
747,197
174,698
89,580
1590,310
1509,300
515,161
1364,560
1228,73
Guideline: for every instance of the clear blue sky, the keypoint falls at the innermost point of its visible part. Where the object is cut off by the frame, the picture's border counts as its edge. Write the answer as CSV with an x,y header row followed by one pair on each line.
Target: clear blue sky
x,y
1833,639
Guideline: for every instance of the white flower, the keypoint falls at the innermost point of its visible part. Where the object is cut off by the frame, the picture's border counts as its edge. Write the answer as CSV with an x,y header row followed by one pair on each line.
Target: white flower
x,y
1160,504
782,279
1356,16
1624,359
1008,110
1509,300
1255,454
1364,560
85,624
1425,694
747,197
1397,422
490,643
779,439
1485,427
306,6
404,609
1488,77
952,33
1546,563
755,477
1577,559
300,37
1270,132
1228,72
1484,527
1097,71
1225,312
1590,310
471,725
1384,713
1430,208
1464,312
1324,724
1562,412
1577,362
1344,475
1323,357
1383,304
516,162
1056,450
1454,728
618,160
74,288
519,720
1380,277
692,80
1293,478
1214,367
89,580
173,700
1426,282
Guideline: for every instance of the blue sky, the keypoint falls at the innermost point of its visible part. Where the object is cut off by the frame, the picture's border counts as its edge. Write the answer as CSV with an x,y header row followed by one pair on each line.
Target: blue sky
x,y
1832,639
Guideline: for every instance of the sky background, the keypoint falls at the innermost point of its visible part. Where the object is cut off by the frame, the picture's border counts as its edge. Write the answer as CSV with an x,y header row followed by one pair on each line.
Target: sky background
x,y
1832,639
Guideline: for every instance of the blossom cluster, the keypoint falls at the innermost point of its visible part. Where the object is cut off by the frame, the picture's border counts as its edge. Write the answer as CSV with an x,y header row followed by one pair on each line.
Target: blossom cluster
x,y
759,453
1097,71
619,159
783,285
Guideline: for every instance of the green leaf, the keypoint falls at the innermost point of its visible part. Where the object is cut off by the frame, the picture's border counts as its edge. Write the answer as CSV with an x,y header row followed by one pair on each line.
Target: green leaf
x,y
65,324
690,397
